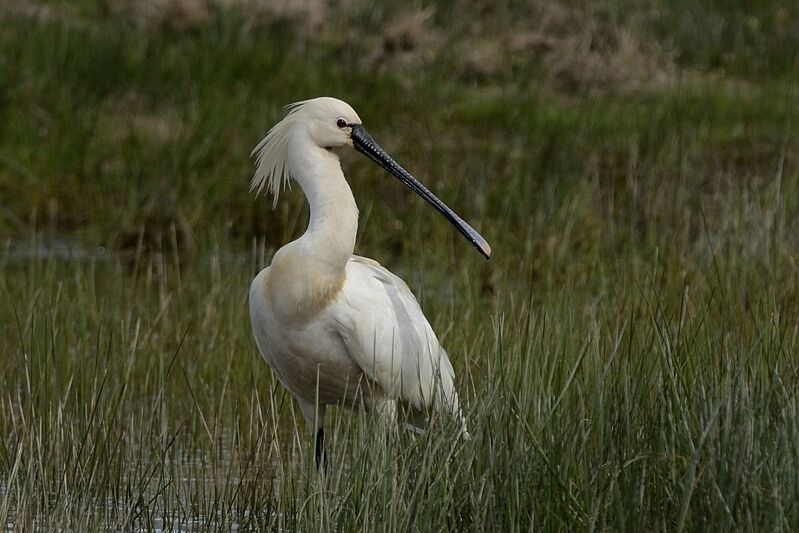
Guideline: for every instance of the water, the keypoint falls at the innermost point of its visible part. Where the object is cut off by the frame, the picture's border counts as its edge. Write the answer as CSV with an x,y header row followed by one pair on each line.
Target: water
x,y
60,248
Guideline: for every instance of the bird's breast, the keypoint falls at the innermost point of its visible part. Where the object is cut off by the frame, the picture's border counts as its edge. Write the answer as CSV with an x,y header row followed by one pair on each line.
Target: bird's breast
x,y
308,357
298,288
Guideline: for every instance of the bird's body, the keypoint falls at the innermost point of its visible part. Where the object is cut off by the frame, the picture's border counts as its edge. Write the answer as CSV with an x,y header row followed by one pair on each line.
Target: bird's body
x,y
337,328
370,345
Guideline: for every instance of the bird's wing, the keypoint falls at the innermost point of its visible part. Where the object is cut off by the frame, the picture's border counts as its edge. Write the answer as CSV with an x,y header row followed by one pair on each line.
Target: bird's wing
x,y
389,337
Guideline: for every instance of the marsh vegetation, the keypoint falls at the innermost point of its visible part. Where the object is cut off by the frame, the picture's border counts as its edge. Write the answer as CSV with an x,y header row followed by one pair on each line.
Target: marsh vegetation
x,y
628,359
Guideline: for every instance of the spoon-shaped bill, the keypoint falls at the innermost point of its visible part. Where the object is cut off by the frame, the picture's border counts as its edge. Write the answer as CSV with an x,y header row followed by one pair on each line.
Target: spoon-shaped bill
x,y
363,142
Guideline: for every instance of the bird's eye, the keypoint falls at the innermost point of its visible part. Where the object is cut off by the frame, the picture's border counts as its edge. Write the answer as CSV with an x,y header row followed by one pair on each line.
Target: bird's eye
x,y
341,123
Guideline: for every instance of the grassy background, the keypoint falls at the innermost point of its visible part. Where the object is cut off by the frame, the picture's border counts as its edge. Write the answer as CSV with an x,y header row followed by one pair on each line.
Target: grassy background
x,y
628,358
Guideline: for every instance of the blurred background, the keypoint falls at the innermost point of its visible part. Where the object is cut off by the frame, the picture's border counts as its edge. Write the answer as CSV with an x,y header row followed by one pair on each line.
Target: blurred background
x,y
128,123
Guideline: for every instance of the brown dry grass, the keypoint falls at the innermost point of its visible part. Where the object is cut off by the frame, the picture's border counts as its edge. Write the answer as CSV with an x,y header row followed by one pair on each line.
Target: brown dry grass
x,y
577,46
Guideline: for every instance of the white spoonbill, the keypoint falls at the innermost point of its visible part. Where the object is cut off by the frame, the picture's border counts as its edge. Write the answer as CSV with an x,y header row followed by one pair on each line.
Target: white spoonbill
x,y
336,328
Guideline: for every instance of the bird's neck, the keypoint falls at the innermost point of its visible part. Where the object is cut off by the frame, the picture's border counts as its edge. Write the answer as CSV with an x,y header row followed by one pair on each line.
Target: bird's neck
x,y
308,273
333,225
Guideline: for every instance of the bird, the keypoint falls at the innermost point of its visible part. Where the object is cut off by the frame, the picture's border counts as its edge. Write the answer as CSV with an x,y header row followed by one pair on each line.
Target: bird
x,y
337,328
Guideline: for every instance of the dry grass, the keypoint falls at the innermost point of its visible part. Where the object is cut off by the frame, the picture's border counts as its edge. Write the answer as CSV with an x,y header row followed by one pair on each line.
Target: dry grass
x,y
580,47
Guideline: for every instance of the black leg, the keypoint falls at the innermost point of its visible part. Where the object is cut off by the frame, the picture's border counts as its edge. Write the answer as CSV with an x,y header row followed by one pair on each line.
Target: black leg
x,y
321,453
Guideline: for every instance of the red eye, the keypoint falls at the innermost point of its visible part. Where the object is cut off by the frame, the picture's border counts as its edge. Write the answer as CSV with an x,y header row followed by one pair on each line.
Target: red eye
x,y
341,123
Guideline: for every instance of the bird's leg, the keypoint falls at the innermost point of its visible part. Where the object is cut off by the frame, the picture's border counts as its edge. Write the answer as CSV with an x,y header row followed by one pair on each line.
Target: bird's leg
x,y
321,453
315,417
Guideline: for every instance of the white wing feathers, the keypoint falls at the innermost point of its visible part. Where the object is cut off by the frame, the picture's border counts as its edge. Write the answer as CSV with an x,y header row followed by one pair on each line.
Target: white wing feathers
x,y
388,336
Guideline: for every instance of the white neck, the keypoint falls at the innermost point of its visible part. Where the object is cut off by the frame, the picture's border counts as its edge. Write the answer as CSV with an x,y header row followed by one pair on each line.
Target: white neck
x,y
308,273
330,237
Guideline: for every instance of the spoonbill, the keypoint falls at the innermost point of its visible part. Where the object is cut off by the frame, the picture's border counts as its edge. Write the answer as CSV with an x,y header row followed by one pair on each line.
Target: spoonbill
x,y
336,328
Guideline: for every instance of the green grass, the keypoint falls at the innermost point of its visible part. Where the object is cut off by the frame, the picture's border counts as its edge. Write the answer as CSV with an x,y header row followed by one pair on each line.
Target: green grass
x,y
627,359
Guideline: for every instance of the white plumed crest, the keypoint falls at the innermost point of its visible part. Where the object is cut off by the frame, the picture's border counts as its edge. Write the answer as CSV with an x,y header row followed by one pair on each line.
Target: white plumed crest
x,y
272,165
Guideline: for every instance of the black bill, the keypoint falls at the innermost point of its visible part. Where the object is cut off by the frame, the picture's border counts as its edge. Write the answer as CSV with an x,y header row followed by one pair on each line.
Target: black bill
x,y
363,142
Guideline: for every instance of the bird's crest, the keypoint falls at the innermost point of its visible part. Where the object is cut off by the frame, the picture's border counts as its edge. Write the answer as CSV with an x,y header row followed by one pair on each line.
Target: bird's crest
x,y
271,163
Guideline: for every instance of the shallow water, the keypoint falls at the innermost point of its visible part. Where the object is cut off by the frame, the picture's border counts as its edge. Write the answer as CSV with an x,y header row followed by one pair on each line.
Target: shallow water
x,y
61,248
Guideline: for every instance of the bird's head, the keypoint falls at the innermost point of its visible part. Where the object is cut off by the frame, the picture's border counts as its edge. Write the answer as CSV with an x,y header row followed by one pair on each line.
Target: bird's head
x,y
330,123
326,122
